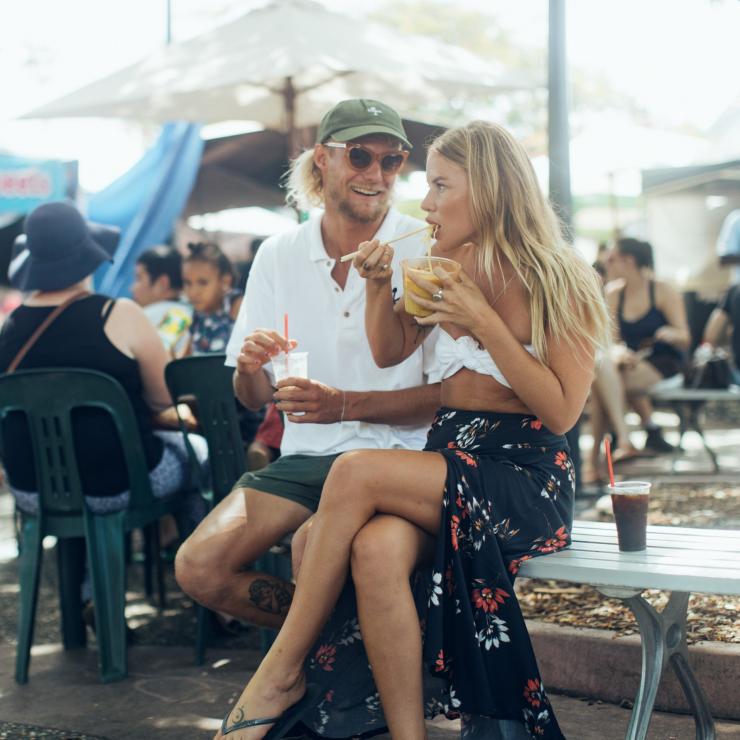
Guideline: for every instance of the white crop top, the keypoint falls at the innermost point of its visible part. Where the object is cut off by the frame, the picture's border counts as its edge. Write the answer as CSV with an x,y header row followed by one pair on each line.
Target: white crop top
x,y
452,355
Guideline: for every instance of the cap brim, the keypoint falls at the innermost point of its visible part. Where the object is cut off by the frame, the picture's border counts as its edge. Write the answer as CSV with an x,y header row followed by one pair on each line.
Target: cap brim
x,y
348,134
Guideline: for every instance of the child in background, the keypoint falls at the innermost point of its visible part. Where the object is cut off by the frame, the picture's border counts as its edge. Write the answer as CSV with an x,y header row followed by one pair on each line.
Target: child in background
x,y
208,281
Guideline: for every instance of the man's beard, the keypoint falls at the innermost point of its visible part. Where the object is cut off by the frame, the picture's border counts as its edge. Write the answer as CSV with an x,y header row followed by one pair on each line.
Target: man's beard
x,y
348,209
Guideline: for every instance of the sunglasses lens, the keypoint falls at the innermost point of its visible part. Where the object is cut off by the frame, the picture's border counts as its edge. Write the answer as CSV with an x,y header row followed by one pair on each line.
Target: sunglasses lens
x,y
360,158
392,162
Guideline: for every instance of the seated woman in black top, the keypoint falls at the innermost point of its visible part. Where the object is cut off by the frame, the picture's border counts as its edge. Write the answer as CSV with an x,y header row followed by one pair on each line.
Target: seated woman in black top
x,y
652,333
113,336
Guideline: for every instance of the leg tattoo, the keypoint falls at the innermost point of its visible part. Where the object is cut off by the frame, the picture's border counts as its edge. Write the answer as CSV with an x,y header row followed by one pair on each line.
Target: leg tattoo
x,y
273,597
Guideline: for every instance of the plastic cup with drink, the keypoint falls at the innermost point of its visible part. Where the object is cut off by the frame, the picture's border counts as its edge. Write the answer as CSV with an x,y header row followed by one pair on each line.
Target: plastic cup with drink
x,y
630,507
290,365
422,268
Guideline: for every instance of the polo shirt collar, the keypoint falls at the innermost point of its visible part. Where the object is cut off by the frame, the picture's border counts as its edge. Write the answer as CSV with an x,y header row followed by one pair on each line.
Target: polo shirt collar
x,y
317,251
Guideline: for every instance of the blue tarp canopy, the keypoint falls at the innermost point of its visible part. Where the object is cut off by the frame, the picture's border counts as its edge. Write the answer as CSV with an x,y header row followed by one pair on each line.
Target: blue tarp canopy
x,y
145,201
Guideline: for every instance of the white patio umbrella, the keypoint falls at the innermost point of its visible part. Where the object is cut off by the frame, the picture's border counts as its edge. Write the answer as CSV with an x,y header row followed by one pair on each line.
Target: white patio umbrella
x,y
284,65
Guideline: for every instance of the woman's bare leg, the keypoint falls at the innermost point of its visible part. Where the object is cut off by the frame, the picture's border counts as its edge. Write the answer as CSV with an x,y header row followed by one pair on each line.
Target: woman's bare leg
x,y
609,387
637,380
385,554
360,485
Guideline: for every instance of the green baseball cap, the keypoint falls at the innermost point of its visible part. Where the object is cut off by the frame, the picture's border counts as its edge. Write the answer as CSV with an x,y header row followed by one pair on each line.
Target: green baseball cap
x,y
351,119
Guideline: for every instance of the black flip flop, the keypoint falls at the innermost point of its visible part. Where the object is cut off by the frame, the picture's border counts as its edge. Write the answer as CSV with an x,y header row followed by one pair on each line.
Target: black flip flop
x,y
284,722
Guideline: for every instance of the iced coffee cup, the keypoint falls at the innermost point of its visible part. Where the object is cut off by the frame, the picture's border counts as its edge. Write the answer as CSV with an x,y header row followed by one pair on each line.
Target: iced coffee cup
x,y
290,365
422,268
630,506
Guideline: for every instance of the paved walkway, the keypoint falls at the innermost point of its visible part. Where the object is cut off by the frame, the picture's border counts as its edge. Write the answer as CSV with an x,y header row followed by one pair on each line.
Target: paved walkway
x,y
166,697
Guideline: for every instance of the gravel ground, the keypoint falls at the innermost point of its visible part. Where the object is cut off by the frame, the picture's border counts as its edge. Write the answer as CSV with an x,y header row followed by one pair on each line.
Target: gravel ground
x,y
714,618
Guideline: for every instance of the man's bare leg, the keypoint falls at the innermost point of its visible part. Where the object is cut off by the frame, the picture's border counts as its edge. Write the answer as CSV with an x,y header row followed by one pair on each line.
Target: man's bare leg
x,y
385,554
212,564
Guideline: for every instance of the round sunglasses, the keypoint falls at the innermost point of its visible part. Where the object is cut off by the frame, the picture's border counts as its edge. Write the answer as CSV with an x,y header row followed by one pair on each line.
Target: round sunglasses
x,y
360,157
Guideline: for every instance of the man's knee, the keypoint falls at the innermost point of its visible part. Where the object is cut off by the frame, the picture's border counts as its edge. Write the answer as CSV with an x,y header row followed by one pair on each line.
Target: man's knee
x,y
195,572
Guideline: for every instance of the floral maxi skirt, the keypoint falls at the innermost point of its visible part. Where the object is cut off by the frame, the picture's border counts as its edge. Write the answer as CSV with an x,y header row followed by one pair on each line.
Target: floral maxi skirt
x,y
508,497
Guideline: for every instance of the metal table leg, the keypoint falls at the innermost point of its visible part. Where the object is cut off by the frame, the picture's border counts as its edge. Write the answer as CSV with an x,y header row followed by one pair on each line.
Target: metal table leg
x,y
681,411
663,640
695,410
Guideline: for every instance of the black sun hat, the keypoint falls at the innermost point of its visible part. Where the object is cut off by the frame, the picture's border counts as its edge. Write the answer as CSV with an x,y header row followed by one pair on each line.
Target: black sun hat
x,y
59,248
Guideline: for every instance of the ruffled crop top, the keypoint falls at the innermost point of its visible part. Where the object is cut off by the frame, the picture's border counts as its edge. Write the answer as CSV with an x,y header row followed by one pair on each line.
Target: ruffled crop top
x,y
452,355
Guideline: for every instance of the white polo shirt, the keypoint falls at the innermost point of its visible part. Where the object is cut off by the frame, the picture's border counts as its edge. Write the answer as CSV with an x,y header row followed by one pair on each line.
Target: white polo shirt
x,y
292,274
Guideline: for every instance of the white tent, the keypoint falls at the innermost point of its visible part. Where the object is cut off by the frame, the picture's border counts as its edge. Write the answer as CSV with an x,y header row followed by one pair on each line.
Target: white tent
x,y
284,65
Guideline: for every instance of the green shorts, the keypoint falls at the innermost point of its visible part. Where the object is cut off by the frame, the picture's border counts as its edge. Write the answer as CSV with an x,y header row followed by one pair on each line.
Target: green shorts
x,y
299,478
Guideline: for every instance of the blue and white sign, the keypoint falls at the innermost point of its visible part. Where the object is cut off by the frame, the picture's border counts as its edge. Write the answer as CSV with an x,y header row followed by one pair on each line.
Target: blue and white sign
x,y
26,183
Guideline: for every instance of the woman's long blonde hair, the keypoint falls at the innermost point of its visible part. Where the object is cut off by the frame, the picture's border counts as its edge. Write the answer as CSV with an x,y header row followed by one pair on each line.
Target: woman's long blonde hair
x,y
513,218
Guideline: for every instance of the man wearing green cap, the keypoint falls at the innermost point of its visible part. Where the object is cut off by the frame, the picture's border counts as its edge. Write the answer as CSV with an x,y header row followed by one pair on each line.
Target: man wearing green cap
x,y
348,403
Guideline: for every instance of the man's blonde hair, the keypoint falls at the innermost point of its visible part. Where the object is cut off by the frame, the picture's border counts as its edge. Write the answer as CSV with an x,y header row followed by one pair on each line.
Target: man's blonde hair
x,y
513,218
303,183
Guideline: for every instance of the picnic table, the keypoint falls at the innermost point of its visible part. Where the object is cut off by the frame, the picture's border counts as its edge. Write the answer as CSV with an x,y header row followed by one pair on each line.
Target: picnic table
x,y
689,403
678,559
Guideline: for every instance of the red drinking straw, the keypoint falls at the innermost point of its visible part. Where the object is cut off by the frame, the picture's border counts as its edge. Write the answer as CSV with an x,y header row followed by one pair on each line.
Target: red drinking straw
x,y
608,450
285,330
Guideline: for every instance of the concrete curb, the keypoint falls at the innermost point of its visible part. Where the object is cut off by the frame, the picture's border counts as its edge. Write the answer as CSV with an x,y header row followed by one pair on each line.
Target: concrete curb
x,y
597,664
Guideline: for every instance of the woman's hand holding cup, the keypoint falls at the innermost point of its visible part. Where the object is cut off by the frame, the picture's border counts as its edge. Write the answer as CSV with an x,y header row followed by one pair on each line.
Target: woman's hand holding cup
x,y
458,301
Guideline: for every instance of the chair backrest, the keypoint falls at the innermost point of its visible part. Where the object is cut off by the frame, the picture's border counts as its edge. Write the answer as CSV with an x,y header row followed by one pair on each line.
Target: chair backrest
x,y
206,379
47,397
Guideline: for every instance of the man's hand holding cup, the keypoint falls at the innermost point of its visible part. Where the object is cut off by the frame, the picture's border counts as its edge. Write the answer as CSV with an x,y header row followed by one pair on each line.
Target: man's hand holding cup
x,y
259,348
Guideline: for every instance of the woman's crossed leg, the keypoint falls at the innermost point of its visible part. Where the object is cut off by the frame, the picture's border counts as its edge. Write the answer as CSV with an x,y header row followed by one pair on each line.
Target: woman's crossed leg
x,y
361,484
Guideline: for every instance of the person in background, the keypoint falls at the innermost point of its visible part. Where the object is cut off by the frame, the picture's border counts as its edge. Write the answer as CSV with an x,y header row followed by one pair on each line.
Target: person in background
x,y
607,403
156,288
96,332
266,445
243,268
724,323
651,330
728,243
208,281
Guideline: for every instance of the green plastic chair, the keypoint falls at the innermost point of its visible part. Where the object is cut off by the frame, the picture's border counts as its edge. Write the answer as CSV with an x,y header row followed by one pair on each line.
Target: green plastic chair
x,y
47,398
206,380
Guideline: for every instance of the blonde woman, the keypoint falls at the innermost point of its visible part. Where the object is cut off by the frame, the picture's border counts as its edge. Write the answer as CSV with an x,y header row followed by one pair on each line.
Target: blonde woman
x,y
519,329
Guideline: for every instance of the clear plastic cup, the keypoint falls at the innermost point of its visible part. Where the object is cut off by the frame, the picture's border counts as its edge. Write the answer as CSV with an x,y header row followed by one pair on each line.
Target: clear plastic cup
x,y
630,507
422,267
290,365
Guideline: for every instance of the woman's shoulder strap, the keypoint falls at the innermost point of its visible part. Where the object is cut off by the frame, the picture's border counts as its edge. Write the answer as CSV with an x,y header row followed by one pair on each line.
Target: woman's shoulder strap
x,y
107,308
